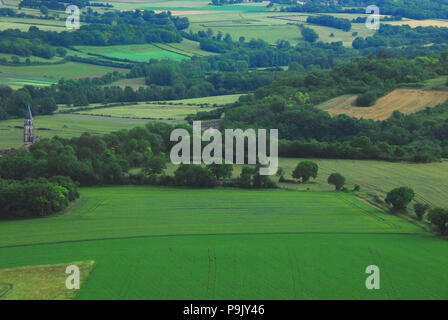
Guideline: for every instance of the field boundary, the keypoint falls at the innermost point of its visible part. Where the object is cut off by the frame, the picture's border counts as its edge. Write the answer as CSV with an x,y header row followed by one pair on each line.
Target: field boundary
x,y
209,235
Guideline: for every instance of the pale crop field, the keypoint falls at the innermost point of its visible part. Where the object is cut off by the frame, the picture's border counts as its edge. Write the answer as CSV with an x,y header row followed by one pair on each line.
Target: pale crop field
x,y
148,111
420,23
404,100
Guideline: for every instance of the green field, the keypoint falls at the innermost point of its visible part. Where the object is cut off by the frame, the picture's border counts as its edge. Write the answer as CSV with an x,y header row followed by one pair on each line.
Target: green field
x,y
63,125
219,100
165,243
378,177
134,52
148,111
271,26
164,110
47,74
23,24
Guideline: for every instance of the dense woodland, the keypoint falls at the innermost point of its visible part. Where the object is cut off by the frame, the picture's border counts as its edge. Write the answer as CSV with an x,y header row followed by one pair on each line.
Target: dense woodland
x,y
330,21
287,104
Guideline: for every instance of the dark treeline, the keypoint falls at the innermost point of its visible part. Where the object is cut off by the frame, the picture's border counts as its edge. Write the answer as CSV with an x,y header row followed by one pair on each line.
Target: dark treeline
x,y
399,36
99,34
27,48
145,17
386,18
224,2
52,4
112,28
287,104
35,197
98,160
330,21
422,9
89,160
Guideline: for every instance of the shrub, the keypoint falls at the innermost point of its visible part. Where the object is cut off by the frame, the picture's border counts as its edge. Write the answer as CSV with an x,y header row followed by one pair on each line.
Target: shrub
x,y
400,197
337,180
305,170
439,217
194,176
420,209
366,99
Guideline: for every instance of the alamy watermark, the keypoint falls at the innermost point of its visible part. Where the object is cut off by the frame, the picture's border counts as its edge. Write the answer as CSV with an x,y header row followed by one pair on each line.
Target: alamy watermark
x,y
213,153
72,21
373,280
373,20
73,280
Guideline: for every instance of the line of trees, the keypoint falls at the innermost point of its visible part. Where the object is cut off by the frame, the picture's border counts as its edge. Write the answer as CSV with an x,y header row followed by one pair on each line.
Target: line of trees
x,y
35,197
330,21
52,4
422,9
399,198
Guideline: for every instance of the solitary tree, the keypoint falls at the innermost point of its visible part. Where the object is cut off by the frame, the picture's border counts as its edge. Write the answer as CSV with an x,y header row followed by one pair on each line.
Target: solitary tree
x,y
305,170
337,180
439,217
400,197
420,209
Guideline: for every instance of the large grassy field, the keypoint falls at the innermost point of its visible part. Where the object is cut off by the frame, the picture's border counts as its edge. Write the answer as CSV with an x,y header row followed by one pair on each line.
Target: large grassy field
x,y
24,24
165,243
17,76
148,111
270,26
378,177
134,52
63,125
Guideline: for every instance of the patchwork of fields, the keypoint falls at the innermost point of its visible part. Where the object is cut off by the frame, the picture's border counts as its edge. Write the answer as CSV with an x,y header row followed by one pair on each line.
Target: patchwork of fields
x,y
108,119
247,245
303,241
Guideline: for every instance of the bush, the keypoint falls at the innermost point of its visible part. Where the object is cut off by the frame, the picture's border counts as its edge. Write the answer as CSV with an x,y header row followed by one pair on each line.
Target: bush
x,y
400,197
439,217
67,183
33,198
337,180
194,176
305,170
366,99
420,209
356,187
